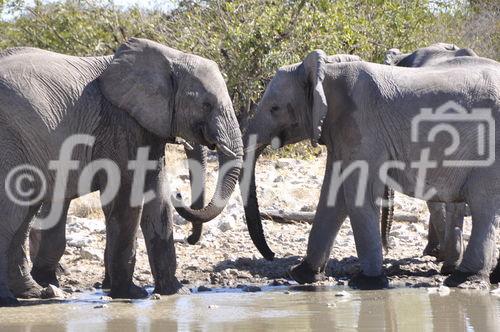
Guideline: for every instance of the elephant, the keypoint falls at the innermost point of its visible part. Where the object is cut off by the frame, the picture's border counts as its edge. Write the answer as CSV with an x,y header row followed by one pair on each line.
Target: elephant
x,y
114,113
362,112
446,220
248,187
48,245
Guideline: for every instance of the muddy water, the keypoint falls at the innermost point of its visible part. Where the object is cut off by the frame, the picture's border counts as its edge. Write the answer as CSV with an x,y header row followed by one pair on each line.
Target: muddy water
x,y
278,309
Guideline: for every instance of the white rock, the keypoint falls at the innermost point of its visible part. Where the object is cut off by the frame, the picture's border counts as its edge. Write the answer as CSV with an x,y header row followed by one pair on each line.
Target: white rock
x,y
342,294
78,240
284,162
441,290
52,291
91,254
226,224
495,292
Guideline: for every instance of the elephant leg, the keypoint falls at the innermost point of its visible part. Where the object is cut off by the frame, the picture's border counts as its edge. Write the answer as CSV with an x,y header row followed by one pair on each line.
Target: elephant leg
x,y
157,227
6,237
122,222
480,253
366,229
436,233
453,242
20,282
495,275
326,225
48,245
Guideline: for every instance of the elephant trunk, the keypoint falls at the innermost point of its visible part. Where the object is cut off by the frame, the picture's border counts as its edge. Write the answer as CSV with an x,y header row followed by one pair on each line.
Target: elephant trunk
x,y
230,162
252,213
387,216
197,181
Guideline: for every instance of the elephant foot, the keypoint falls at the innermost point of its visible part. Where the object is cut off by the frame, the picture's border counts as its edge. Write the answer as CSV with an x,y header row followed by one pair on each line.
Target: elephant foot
x,y
33,292
106,283
25,288
171,287
131,292
469,280
8,301
432,250
448,269
364,282
303,273
495,275
45,276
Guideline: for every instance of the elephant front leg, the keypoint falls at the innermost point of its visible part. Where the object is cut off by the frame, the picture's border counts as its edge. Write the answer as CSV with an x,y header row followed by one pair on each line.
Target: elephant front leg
x,y
329,217
365,225
157,227
122,222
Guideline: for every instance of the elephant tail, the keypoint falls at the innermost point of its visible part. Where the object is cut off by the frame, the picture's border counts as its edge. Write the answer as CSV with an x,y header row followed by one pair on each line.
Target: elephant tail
x,y
387,216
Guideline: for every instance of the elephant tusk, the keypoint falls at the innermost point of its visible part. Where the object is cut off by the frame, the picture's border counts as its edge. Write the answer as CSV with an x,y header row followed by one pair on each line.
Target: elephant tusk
x,y
227,151
186,144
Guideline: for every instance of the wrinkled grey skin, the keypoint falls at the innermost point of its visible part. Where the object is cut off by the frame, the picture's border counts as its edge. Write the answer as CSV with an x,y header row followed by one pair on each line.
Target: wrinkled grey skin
x,y
143,96
426,56
363,111
247,178
446,220
48,245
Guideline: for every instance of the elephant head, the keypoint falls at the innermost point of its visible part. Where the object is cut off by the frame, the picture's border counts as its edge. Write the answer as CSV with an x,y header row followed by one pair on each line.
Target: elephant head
x,y
292,109
171,93
426,56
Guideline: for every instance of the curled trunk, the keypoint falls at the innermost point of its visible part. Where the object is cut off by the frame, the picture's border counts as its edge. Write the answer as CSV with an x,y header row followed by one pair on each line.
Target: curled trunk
x,y
225,186
252,214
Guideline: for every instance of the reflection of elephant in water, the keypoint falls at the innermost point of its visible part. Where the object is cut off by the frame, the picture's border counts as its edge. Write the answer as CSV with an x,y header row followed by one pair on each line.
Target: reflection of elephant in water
x,y
48,245
144,96
362,112
446,220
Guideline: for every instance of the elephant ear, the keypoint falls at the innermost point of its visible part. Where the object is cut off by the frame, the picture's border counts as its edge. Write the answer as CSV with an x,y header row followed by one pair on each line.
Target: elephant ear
x,y
392,56
314,66
140,80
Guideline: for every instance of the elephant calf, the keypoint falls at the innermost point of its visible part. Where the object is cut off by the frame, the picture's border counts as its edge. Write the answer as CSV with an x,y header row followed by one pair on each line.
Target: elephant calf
x,y
362,112
110,113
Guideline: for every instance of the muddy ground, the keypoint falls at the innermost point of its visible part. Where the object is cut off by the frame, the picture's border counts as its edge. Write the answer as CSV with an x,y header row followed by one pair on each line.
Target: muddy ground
x,y
226,257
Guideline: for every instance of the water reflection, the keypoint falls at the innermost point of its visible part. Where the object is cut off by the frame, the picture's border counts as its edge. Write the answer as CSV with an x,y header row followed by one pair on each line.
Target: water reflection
x,y
313,309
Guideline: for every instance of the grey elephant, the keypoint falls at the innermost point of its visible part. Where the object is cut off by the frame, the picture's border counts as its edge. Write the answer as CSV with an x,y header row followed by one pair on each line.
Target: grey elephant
x,y
47,246
446,220
362,113
142,97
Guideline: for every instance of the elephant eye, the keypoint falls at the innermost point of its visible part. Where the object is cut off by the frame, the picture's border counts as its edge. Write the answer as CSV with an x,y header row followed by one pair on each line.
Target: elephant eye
x,y
274,109
207,107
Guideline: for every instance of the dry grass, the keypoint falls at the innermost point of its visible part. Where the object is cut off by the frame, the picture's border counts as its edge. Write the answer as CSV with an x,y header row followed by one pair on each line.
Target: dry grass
x,y
88,206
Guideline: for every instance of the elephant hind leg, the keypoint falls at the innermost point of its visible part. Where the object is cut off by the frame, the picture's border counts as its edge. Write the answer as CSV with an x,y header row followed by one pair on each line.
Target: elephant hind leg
x,y
14,276
478,259
47,246
21,283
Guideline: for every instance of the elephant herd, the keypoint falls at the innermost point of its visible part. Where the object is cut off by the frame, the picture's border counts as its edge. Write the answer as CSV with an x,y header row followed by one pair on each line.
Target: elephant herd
x,y
73,125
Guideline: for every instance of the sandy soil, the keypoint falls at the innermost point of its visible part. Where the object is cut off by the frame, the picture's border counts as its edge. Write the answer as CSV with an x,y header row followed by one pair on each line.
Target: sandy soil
x,y
226,257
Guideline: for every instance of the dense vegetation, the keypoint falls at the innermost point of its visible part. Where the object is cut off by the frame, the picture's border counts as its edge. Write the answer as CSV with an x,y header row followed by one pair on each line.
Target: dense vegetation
x,y
251,38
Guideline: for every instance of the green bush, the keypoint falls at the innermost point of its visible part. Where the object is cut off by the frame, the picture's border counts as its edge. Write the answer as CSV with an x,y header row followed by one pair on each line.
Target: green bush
x,y
250,39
